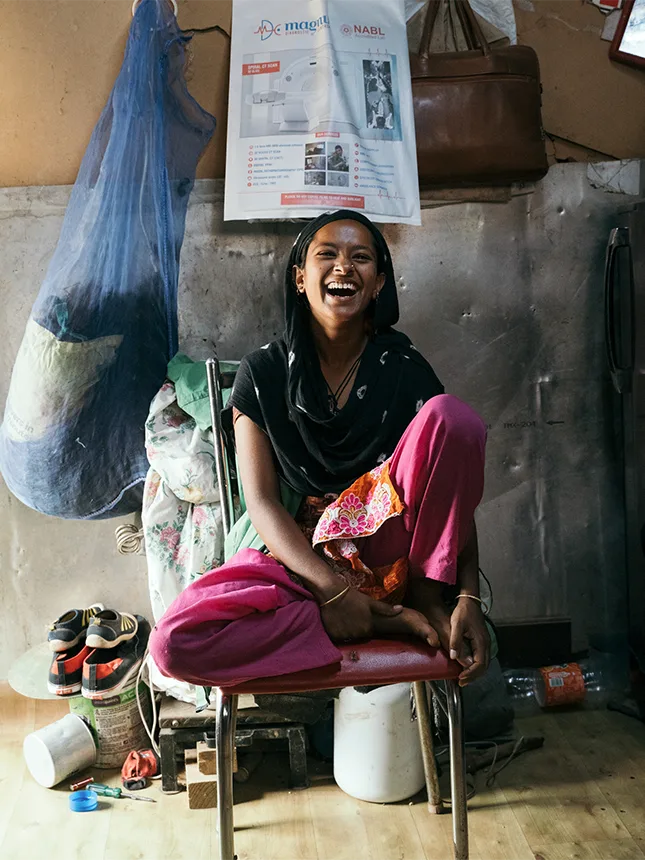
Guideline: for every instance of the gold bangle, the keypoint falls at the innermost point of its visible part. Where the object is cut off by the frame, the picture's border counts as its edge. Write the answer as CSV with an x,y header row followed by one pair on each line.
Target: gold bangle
x,y
336,597
478,599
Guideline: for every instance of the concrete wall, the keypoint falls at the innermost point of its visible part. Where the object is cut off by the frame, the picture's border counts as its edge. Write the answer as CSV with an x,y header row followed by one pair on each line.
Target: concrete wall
x,y
505,300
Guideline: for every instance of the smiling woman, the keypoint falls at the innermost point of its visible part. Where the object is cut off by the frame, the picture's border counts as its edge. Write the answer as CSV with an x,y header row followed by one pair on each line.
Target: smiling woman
x,y
387,471
340,280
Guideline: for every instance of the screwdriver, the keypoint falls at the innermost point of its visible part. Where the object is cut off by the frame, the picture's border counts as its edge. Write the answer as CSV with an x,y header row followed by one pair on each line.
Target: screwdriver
x,y
109,791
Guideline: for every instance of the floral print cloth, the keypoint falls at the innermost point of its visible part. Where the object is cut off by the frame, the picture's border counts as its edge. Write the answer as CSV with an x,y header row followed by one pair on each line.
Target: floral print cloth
x,y
358,512
181,512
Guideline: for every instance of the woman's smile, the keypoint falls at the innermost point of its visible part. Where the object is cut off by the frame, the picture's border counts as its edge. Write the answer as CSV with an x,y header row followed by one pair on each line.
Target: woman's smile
x,y
342,290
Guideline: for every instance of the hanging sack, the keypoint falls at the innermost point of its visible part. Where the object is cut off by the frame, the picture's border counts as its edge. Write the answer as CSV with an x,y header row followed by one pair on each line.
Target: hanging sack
x,y
104,325
477,112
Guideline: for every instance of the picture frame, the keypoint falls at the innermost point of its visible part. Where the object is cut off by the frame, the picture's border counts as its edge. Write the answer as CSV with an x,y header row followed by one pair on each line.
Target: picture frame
x,y
628,45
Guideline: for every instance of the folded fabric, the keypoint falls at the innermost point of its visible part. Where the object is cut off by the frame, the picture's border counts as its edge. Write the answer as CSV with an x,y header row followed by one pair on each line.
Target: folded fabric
x,y
191,385
244,620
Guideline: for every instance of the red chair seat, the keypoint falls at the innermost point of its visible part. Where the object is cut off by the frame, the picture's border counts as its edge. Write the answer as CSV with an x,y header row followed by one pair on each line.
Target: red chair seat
x,y
375,662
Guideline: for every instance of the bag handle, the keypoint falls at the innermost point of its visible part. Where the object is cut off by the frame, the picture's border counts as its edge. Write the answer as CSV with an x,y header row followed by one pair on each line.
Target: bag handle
x,y
472,30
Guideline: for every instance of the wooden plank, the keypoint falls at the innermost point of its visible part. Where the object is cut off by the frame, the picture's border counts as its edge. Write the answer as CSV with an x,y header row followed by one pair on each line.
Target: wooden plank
x,y
539,787
273,822
495,832
202,789
391,835
340,830
604,849
613,749
175,714
207,759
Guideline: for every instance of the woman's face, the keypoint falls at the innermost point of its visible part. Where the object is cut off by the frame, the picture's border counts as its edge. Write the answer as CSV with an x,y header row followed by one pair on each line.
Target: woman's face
x,y
340,276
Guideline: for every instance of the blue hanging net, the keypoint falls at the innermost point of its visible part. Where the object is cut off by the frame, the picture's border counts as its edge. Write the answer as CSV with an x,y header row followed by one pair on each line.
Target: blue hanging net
x,y
104,325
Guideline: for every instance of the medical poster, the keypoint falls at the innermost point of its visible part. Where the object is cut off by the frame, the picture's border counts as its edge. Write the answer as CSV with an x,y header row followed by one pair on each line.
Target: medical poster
x,y
320,111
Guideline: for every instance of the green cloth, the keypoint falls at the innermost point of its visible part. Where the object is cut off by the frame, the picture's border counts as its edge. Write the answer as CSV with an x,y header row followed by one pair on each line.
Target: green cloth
x,y
243,534
191,387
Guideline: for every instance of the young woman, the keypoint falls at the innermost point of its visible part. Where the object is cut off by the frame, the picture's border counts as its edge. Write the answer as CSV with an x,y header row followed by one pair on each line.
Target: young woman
x,y
344,415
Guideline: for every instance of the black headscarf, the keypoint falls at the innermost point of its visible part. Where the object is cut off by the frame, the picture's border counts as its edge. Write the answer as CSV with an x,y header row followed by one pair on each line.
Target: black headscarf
x,y
281,387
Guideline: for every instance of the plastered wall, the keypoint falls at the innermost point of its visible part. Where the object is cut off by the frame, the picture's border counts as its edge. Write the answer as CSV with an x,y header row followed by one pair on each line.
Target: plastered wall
x,y
506,302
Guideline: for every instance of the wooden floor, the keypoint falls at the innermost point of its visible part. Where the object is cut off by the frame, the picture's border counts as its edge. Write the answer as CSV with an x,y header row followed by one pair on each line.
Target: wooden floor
x,y
581,796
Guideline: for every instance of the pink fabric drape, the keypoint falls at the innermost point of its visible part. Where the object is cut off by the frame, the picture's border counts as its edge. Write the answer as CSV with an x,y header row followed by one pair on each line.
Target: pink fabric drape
x,y
244,620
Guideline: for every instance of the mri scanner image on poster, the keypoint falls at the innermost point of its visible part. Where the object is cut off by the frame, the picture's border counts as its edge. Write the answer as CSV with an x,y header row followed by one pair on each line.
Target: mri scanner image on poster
x,y
379,98
325,90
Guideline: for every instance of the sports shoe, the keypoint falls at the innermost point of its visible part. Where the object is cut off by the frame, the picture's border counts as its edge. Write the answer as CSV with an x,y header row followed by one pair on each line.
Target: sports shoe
x,y
109,628
66,670
68,630
106,671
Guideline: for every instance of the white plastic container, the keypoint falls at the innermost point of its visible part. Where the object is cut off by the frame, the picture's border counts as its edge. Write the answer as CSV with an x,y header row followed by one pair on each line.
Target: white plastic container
x,y
377,751
58,750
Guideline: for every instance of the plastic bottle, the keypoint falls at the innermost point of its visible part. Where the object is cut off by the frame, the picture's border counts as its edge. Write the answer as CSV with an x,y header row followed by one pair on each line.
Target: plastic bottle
x,y
589,683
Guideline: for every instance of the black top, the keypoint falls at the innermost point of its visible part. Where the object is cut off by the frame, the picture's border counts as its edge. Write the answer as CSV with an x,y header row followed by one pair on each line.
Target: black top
x,y
390,387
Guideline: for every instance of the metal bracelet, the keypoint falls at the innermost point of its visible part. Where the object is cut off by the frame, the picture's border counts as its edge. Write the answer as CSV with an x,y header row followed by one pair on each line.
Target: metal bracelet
x,y
336,597
478,599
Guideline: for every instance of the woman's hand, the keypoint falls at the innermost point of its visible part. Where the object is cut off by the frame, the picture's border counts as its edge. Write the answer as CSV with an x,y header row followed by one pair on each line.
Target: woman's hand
x,y
469,640
352,616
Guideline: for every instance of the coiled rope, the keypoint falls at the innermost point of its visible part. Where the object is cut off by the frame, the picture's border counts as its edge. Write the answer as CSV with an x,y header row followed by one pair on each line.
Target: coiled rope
x,y
129,539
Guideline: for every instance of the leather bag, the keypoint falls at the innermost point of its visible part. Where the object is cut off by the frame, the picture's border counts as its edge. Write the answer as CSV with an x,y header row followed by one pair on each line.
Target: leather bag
x,y
477,112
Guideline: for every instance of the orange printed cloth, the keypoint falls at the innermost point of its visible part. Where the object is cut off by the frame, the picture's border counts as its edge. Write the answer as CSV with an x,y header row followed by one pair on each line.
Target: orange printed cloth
x,y
337,527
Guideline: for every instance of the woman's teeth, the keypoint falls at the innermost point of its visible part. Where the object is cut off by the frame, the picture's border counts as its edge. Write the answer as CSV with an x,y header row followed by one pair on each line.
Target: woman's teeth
x,y
337,288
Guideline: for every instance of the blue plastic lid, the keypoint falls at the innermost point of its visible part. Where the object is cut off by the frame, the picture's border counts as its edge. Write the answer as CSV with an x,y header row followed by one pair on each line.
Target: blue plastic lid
x,y
83,801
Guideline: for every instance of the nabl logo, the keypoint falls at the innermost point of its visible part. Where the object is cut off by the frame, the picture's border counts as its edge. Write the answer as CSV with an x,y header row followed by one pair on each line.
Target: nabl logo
x,y
361,30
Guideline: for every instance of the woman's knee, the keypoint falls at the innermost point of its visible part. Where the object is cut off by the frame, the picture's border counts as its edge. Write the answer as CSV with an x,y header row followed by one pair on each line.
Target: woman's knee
x,y
456,418
168,658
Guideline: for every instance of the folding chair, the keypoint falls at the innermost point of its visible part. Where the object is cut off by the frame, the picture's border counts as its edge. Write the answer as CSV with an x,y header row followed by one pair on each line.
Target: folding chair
x,y
372,663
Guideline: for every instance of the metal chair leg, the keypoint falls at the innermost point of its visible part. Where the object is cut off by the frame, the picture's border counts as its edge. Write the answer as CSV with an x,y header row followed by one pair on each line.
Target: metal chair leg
x,y
457,772
435,804
226,713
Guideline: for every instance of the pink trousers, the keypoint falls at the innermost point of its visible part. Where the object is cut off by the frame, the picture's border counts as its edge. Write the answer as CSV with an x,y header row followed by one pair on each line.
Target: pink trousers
x,y
247,619
438,470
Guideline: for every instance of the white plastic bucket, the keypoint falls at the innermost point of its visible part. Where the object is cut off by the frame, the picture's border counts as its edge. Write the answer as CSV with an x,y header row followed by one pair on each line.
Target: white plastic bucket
x,y
377,751
58,750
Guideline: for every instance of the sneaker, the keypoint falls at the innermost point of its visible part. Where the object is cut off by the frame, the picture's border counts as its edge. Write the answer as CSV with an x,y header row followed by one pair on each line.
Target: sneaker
x,y
66,671
109,628
106,671
68,630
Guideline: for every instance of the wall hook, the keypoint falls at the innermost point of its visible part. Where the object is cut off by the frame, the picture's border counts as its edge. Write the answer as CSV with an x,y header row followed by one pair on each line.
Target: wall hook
x,y
136,3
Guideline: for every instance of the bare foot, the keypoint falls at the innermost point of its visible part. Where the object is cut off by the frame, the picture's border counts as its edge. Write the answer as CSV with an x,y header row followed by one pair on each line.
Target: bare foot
x,y
425,597
407,622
